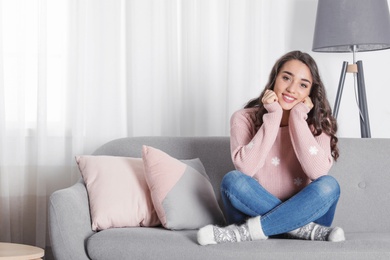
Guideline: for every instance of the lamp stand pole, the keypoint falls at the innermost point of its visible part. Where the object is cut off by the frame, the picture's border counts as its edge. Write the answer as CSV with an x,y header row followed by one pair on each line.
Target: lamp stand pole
x,y
357,68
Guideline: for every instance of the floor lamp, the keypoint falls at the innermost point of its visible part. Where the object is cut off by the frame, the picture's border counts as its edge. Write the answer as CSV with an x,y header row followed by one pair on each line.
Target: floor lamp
x,y
352,26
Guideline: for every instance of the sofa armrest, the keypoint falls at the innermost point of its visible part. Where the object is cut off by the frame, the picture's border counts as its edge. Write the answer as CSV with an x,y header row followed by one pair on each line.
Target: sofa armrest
x,y
69,222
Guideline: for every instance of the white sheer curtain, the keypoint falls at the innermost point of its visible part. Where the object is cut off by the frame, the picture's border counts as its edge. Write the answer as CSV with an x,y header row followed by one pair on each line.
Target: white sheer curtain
x,y
77,73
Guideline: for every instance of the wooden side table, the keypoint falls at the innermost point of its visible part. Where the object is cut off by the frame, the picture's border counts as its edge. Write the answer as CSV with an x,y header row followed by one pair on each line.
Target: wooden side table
x,y
12,251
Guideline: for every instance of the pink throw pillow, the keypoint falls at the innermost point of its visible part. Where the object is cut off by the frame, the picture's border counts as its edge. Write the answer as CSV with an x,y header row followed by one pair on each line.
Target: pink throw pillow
x,y
181,191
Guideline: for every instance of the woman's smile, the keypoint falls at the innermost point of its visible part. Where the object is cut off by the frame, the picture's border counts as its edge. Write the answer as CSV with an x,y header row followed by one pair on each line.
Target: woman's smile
x,y
288,98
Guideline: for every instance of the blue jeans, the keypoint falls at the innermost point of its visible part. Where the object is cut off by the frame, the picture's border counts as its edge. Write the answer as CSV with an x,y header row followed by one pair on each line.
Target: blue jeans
x,y
244,197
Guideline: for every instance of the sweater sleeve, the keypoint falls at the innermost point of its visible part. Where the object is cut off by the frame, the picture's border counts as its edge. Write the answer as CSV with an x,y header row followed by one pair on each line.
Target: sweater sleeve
x,y
313,152
250,148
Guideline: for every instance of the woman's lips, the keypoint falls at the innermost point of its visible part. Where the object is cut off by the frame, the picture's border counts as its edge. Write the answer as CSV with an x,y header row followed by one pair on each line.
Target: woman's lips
x,y
288,98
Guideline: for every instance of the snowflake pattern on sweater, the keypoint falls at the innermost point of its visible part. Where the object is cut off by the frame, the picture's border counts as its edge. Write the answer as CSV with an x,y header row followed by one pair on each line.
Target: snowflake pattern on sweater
x,y
275,161
313,150
298,181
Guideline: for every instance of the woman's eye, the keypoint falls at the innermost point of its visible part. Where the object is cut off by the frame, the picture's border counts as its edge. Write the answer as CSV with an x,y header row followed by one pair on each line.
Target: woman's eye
x,y
303,85
286,78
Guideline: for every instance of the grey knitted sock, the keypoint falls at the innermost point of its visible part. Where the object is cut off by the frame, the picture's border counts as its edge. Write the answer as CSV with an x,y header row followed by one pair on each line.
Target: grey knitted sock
x,y
250,230
313,231
231,233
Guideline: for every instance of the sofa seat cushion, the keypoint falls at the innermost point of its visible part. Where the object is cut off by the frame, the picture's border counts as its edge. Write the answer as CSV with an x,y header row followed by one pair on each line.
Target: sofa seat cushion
x,y
125,243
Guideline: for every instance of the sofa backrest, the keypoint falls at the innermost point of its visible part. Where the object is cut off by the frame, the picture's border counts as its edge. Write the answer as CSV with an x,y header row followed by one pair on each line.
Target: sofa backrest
x,y
363,171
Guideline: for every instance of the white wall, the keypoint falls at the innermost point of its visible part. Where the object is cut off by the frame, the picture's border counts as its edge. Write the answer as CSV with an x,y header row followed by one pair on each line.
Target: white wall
x,y
299,29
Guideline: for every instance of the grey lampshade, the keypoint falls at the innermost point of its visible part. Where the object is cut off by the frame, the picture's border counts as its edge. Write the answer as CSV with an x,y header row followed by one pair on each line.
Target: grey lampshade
x,y
341,24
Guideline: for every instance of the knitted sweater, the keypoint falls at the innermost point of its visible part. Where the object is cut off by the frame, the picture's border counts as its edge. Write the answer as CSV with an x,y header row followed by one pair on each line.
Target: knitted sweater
x,y
282,159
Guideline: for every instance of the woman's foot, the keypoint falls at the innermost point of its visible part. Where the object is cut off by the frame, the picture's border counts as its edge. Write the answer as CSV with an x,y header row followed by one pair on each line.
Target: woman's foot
x,y
313,231
250,230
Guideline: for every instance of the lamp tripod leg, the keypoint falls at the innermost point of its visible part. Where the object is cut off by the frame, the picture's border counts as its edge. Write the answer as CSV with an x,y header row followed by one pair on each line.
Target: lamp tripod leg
x,y
340,89
364,120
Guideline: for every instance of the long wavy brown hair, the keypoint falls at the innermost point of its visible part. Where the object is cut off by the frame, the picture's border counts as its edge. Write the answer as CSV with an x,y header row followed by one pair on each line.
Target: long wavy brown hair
x,y
320,117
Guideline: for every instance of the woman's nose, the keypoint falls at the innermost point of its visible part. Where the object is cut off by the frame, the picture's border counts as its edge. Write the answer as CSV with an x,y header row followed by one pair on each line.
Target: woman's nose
x,y
291,88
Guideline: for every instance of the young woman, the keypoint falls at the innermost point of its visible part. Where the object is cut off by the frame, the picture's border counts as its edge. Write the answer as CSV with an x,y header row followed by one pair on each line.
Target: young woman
x,y
283,144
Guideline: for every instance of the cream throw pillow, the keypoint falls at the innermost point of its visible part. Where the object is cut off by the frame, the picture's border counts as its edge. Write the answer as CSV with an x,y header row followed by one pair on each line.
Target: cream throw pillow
x,y
117,191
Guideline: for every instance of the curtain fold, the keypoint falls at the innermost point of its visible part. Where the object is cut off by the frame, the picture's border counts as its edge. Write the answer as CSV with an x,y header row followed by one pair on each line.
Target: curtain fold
x,y
75,74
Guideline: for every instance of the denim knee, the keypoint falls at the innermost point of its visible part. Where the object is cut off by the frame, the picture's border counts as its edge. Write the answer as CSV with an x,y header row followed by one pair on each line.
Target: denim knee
x,y
327,186
230,178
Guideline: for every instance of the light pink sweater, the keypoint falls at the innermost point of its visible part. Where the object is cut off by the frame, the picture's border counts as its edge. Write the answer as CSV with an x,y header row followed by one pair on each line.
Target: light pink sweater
x,y
282,159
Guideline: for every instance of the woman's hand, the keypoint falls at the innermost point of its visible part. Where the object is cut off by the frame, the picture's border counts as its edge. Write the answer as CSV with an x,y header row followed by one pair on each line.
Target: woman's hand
x,y
269,97
307,101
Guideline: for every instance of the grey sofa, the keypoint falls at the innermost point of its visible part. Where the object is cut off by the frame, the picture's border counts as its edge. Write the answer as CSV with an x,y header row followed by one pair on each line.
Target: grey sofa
x,y
363,171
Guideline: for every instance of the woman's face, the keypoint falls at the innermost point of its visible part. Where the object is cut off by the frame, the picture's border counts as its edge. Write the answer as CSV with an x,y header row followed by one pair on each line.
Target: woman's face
x,y
293,84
